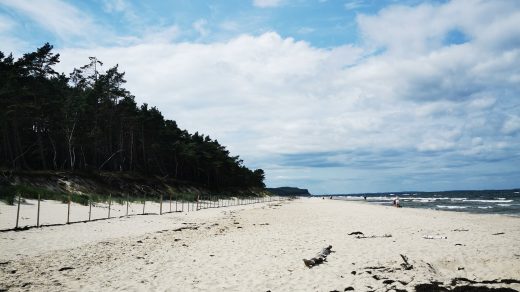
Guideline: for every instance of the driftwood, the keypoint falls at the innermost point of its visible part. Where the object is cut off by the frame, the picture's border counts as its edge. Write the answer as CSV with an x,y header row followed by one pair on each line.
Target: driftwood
x,y
406,265
319,258
374,236
360,235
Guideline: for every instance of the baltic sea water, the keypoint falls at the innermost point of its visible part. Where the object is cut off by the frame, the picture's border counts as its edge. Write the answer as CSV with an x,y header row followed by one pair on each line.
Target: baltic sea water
x,y
505,202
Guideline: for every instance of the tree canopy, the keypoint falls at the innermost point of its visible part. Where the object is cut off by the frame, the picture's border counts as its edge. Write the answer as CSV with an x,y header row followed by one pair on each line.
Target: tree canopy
x,y
87,121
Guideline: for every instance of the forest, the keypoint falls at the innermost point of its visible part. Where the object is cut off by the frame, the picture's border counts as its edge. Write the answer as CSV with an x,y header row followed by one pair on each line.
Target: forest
x,y
88,122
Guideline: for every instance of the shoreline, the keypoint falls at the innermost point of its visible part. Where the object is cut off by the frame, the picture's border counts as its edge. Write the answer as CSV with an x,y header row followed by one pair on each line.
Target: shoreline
x,y
421,209
261,247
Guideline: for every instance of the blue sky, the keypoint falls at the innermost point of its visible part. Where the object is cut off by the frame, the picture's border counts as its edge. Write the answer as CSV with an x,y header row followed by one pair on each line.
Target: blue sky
x,y
337,96
322,23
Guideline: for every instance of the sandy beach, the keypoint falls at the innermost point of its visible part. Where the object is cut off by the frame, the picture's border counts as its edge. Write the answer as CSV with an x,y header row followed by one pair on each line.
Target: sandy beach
x,y
261,247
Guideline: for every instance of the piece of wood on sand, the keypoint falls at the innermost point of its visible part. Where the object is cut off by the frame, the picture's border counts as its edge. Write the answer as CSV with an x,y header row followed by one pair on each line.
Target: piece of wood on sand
x,y
406,265
319,258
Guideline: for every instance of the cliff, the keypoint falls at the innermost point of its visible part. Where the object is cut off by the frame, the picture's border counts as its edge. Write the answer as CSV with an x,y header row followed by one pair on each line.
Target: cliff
x,y
289,191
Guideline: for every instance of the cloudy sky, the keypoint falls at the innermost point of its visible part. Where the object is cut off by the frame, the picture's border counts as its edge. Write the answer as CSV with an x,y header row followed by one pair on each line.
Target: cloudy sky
x,y
337,96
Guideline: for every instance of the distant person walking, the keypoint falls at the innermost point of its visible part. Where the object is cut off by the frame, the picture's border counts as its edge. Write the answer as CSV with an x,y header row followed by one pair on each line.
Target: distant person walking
x,y
396,202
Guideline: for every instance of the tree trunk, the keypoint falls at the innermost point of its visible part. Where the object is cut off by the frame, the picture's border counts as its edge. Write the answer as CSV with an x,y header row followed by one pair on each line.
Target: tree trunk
x,y
131,167
72,154
54,154
8,149
41,149
18,149
176,165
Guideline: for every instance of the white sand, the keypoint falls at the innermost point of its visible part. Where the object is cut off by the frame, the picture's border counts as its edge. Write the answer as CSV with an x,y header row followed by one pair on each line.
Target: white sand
x,y
260,247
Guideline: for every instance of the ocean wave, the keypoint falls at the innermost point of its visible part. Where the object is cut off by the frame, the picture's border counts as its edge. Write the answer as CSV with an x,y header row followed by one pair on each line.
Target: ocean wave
x,y
451,207
357,198
490,201
440,198
422,200
380,198
505,205
425,199
485,207
458,199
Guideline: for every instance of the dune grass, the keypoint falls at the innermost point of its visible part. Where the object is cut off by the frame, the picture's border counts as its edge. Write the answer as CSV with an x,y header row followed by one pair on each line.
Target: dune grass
x,y
9,194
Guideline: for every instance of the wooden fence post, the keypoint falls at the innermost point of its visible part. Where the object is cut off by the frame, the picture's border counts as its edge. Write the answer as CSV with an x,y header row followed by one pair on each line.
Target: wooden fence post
x,y
127,200
18,210
38,213
109,204
68,211
144,201
160,206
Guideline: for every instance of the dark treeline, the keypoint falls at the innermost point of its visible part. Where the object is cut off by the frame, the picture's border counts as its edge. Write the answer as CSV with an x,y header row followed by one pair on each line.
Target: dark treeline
x,y
88,121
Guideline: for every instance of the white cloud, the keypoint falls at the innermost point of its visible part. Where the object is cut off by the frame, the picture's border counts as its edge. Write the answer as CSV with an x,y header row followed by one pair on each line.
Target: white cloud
x,y
115,5
511,125
6,24
269,96
353,4
58,17
287,96
10,43
200,27
267,3
160,35
121,6
422,29
229,25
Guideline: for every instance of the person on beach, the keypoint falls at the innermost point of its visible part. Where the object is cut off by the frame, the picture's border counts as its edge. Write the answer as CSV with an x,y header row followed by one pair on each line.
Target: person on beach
x,y
396,202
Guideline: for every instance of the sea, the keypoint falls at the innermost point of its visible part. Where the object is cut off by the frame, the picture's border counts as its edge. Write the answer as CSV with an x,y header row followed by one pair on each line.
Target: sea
x,y
506,202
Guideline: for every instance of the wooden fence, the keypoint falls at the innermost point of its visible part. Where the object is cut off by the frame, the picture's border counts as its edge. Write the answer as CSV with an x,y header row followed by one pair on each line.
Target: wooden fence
x,y
30,213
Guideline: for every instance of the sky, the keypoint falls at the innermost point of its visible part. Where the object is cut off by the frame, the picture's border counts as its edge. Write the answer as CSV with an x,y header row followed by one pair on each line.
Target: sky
x,y
336,96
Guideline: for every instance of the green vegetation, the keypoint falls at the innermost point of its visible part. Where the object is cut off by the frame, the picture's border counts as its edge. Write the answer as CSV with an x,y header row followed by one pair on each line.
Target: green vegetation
x,y
87,121
9,194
